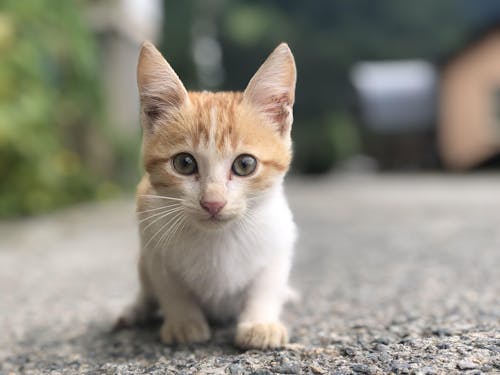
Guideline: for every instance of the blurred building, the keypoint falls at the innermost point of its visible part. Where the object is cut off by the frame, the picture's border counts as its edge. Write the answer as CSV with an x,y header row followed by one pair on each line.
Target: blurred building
x,y
469,102
397,101
413,115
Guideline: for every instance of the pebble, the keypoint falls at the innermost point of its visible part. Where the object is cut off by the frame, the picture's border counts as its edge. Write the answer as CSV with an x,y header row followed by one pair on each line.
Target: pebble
x,y
400,367
362,369
382,340
441,332
384,357
236,370
428,370
443,345
261,372
467,365
317,370
349,351
288,368
381,347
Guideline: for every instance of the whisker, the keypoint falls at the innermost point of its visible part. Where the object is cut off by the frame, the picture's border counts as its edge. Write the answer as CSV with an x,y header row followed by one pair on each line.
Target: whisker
x,y
158,208
165,243
170,233
174,230
252,199
161,228
191,206
250,225
250,212
246,227
167,210
161,217
242,225
169,230
160,197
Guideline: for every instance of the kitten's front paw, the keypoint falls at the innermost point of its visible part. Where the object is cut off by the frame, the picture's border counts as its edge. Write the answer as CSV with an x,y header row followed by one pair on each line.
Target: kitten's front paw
x,y
261,335
185,331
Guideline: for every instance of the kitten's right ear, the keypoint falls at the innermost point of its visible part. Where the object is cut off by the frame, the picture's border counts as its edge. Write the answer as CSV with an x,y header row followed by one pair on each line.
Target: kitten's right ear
x,y
272,89
160,90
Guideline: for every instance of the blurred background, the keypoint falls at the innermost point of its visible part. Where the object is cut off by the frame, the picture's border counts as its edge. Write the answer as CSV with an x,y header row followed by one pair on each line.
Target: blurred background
x,y
382,86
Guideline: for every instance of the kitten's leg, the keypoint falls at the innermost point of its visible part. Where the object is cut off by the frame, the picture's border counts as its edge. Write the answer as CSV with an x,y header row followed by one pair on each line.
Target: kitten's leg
x,y
145,305
184,320
259,326
139,312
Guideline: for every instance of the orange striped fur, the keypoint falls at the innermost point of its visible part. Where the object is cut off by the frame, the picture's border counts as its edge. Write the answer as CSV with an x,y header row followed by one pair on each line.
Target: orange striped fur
x,y
232,123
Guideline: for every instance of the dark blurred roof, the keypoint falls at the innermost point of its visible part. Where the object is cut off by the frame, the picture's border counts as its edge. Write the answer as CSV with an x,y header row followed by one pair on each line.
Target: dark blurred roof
x,y
479,34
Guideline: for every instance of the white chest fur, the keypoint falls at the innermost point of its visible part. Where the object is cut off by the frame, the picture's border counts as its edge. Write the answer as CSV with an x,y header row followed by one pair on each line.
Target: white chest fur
x,y
217,266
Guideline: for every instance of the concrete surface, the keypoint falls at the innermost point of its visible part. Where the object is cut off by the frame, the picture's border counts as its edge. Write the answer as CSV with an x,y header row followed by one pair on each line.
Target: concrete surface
x,y
399,274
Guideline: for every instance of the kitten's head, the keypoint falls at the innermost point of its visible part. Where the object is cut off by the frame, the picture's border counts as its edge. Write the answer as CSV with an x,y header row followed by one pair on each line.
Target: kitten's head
x,y
216,151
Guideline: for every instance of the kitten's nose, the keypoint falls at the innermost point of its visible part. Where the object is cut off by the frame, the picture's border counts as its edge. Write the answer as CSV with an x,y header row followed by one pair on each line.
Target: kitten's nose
x,y
213,207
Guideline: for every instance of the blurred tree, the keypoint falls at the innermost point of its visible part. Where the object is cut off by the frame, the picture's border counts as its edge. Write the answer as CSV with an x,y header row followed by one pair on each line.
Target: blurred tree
x,y
51,151
55,148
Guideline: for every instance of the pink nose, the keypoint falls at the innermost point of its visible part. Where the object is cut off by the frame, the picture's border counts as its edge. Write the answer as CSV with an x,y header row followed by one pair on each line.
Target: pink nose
x,y
213,208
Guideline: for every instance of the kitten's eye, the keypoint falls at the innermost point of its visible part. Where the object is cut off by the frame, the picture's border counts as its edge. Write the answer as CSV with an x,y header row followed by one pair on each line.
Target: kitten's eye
x,y
244,165
185,163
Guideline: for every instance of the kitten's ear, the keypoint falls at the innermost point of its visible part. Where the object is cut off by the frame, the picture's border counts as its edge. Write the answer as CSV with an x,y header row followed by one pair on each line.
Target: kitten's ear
x,y
160,89
272,89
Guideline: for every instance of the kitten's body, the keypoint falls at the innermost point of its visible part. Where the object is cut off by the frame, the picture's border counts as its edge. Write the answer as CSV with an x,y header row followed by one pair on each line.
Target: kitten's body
x,y
218,266
216,231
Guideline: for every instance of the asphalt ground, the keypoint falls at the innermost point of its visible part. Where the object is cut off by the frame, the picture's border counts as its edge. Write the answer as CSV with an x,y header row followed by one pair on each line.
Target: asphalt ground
x,y
398,274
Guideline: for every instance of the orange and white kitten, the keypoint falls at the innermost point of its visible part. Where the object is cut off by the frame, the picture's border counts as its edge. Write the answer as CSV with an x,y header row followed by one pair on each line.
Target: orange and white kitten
x,y
216,232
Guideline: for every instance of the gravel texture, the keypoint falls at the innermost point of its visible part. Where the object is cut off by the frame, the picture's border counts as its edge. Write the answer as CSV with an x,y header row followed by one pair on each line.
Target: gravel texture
x,y
398,274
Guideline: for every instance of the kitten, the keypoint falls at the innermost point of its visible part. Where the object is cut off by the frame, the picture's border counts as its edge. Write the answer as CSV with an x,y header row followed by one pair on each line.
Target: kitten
x,y
216,232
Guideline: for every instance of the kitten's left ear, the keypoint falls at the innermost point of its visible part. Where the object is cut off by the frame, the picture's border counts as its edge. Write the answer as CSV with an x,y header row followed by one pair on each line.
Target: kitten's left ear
x,y
160,89
272,89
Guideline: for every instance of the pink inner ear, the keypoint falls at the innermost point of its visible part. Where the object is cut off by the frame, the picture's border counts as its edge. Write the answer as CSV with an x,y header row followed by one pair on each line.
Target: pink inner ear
x,y
278,110
159,106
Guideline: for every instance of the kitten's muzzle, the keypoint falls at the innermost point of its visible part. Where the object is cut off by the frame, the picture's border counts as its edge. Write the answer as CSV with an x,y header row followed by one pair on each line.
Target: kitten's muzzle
x,y
213,207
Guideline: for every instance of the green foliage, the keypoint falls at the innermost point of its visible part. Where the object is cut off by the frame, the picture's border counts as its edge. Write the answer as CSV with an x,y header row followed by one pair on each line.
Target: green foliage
x,y
55,148
325,142
251,24
312,149
49,104
344,135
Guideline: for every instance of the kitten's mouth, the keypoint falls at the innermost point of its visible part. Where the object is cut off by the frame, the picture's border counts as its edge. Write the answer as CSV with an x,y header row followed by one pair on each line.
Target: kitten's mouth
x,y
206,220
217,219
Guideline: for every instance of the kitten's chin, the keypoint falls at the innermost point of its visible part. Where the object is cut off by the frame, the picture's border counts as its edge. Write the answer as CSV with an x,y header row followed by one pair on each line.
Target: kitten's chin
x,y
214,223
